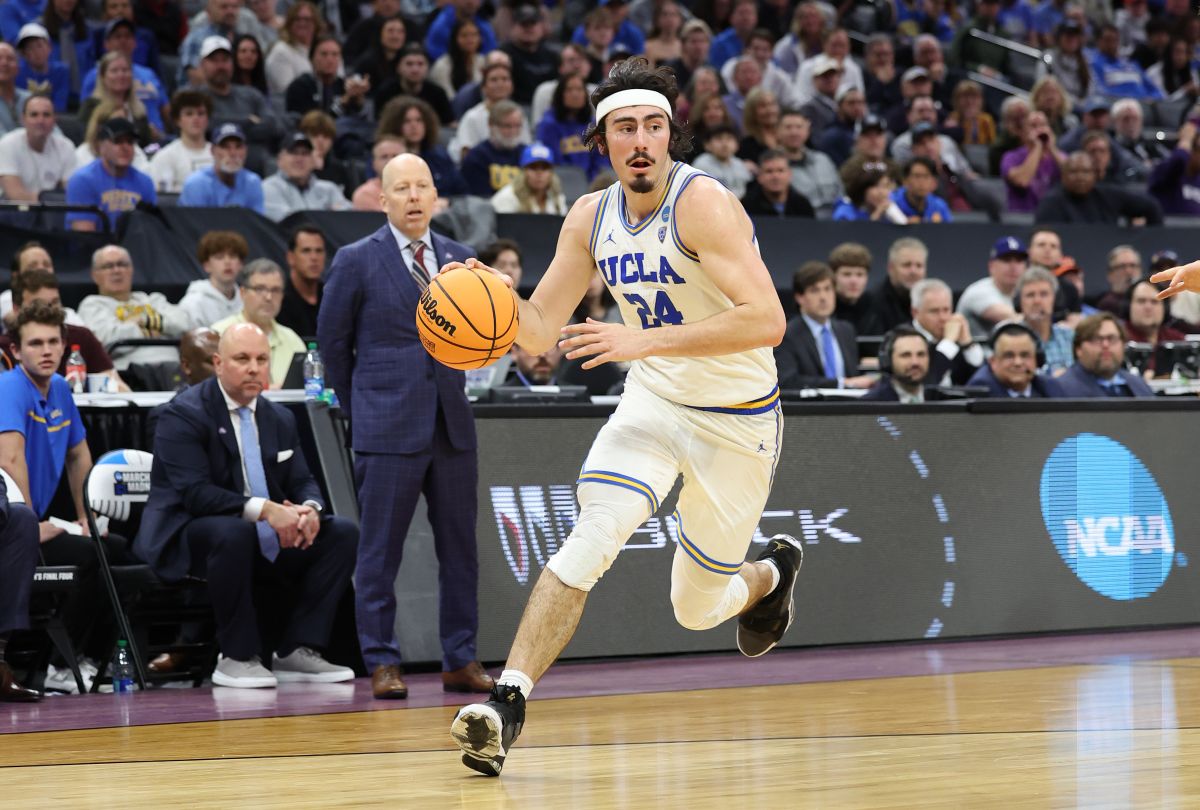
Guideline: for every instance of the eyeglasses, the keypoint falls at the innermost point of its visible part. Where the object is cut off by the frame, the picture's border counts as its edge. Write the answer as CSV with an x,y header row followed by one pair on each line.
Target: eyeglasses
x,y
259,289
1104,339
119,264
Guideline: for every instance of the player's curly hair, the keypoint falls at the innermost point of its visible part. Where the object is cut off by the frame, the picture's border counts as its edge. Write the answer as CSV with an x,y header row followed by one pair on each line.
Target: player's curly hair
x,y
635,73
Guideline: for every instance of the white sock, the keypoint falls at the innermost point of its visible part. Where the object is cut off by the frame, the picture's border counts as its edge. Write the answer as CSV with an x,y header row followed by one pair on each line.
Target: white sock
x,y
517,678
774,575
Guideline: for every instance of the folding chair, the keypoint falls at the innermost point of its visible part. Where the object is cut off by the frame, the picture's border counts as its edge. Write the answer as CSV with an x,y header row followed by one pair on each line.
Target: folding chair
x,y
118,483
52,585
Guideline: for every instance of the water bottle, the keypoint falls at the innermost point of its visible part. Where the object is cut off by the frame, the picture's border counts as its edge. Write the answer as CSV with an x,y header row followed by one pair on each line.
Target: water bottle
x,y
122,669
76,370
314,374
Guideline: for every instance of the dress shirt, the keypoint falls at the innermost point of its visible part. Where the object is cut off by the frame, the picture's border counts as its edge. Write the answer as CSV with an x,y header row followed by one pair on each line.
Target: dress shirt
x,y
908,398
838,362
403,242
252,511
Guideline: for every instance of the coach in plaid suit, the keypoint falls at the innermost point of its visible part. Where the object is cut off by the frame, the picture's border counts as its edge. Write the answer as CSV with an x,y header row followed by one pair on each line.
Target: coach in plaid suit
x,y
410,425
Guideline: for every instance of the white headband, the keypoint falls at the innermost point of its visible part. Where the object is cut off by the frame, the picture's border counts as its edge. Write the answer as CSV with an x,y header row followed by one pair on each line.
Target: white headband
x,y
632,98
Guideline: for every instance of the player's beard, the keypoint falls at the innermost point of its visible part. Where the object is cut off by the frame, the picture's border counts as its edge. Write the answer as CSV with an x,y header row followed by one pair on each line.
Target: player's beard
x,y
641,184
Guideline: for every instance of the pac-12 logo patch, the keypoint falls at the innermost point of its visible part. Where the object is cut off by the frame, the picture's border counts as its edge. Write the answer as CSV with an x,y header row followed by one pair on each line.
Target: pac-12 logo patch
x,y
662,233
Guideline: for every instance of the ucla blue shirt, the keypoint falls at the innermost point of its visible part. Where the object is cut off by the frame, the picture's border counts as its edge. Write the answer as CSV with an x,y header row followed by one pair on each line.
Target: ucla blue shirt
x,y
55,82
116,196
936,209
845,211
205,190
146,85
51,426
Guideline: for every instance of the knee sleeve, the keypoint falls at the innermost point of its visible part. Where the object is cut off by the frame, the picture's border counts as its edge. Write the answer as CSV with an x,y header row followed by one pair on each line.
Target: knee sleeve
x,y
607,516
702,599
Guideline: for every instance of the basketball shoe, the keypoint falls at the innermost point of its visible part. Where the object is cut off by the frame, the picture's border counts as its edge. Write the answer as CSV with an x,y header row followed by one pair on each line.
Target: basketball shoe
x,y
485,731
761,627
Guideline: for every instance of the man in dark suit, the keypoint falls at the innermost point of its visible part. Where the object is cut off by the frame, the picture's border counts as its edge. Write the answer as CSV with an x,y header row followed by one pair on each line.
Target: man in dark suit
x,y
18,558
818,350
904,361
1012,370
411,427
231,498
1099,362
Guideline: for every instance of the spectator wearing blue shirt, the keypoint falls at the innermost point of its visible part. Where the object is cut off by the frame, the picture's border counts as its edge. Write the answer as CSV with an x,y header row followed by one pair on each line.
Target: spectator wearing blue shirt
x,y
730,42
563,126
70,38
626,35
1047,17
437,40
1016,21
916,198
119,36
1116,76
41,432
39,73
494,163
415,122
145,49
226,183
869,196
16,13
110,182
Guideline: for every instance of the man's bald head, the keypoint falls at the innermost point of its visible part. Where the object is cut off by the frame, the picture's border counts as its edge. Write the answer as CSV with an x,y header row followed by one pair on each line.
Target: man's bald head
x,y
408,194
243,362
196,350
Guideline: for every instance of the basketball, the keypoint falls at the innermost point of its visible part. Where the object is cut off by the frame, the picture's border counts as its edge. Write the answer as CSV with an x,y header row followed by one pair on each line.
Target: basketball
x,y
467,318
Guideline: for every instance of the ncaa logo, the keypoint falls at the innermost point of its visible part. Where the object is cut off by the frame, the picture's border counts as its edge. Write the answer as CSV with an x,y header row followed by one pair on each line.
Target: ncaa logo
x,y
1107,517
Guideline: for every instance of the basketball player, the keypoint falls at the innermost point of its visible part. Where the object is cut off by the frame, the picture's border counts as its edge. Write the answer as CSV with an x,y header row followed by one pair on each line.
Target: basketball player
x,y
1186,277
700,314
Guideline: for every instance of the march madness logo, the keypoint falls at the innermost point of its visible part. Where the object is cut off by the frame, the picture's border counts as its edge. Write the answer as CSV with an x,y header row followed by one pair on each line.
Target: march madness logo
x,y
534,521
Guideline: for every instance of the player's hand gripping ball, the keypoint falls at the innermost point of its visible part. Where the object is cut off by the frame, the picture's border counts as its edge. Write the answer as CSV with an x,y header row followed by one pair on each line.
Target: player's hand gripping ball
x,y
467,318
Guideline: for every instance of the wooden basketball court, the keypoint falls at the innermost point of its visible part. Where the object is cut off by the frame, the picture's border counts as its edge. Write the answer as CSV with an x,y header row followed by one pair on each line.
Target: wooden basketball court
x,y
1078,721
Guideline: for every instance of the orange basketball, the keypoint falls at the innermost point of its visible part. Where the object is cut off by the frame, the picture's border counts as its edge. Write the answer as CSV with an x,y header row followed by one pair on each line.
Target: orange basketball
x,y
467,318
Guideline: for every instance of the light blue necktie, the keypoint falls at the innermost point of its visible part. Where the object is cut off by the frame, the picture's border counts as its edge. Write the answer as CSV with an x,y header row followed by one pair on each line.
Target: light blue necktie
x,y
827,348
268,539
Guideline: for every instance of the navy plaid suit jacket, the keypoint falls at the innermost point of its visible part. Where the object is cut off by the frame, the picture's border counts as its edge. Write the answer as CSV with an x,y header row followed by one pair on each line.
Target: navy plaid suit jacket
x,y
385,380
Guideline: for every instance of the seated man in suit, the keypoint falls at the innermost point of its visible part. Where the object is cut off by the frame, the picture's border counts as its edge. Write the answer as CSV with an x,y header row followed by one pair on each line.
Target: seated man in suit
x,y
953,354
904,361
1099,369
818,350
231,498
18,559
1012,370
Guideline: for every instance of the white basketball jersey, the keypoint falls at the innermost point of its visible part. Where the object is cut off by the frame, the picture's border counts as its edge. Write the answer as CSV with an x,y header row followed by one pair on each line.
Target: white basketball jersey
x,y
657,280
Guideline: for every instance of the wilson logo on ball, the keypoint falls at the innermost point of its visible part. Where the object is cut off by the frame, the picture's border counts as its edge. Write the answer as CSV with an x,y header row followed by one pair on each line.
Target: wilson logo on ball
x,y
430,307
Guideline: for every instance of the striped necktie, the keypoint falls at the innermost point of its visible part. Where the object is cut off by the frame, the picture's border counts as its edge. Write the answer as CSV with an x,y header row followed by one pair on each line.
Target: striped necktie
x,y
417,269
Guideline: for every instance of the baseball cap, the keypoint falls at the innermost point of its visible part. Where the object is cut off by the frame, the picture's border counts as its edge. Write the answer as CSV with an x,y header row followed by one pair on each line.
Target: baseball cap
x,y
824,64
115,128
536,153
115,23
842,91
868,122
296,139
1067,265
525,14
1095,104
921,129
226,131
914,73
214,44
1166,258
32,31
1008,246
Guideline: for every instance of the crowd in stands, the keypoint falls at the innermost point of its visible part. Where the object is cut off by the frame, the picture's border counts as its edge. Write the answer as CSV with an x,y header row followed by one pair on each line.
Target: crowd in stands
x,y
887,111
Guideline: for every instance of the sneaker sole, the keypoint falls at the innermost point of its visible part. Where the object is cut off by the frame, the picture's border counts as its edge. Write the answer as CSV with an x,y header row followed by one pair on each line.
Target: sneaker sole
x,y
791,618
482,748
221,679
284,676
